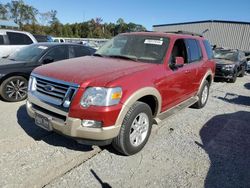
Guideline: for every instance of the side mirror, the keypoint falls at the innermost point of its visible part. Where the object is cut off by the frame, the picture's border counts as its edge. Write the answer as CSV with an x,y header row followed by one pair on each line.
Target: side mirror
x,y
179,61
48,60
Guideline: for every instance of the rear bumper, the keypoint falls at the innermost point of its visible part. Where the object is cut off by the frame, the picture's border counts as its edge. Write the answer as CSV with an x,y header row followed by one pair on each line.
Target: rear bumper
x,y
72,127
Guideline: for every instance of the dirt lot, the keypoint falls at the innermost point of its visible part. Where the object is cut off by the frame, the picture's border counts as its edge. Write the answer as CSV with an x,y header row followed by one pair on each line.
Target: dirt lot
x,y
194,148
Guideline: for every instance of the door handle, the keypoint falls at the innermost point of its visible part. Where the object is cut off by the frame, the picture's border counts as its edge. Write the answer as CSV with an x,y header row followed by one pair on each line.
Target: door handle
x,y
187,71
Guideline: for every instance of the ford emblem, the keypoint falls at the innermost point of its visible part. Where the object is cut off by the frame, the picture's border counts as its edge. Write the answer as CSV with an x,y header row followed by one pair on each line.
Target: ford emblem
x,y
49,88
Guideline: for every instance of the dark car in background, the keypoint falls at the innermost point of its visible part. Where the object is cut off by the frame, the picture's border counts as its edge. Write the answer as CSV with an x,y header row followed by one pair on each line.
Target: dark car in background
x,y
229,64
16,68
247,54
43,38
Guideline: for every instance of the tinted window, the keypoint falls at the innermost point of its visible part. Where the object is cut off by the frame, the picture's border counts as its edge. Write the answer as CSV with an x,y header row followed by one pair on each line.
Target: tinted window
x,y
194,50
80,51
57,53
41,38
208,49
1,39
18,39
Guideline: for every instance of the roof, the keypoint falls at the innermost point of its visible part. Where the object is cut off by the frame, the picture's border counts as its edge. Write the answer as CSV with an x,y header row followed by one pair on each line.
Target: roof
x,y
165,34
8,23
204,21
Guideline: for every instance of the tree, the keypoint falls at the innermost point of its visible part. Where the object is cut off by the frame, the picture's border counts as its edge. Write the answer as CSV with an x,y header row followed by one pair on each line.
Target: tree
x,y
3,12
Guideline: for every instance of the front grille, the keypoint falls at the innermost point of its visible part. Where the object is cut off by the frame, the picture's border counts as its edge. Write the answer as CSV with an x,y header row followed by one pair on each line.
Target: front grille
x,y
53,91
58,92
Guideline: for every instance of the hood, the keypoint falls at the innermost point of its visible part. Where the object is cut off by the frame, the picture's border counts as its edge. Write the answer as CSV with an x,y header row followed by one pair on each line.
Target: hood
x,y
91,70
8,64
223,61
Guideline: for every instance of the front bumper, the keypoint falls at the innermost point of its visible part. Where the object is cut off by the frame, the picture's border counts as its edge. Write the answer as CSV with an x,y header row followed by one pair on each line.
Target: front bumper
x,y
220,73
72,126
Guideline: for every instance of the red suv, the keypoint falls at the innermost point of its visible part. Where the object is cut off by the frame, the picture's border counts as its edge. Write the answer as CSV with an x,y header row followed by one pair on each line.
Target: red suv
x,y
133,81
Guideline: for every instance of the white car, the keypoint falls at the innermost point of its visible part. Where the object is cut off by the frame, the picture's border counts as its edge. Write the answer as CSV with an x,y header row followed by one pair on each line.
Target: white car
x,y
11,40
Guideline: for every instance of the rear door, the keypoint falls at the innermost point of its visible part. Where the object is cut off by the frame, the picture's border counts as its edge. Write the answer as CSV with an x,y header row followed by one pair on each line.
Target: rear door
x,y
192,68
79,51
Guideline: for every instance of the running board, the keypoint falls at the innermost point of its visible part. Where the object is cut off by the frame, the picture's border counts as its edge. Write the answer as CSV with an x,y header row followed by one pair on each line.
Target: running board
x,y
176,109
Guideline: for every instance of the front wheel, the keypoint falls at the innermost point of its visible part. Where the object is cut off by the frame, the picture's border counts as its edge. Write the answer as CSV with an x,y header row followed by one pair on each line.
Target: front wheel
x,y
234,78
202,95
135,129
243,71
14,89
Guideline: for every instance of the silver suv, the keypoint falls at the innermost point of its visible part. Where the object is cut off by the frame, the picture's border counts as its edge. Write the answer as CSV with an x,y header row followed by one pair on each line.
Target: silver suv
x,y
11,40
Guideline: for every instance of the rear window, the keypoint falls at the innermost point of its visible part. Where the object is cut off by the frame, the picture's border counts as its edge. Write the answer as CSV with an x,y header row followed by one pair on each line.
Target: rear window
x,y
209,50
80,51
1,40
18,39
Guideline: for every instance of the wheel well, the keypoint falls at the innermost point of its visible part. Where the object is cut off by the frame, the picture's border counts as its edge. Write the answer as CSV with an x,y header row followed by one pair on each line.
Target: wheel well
x,y
209,79
14,74
152,102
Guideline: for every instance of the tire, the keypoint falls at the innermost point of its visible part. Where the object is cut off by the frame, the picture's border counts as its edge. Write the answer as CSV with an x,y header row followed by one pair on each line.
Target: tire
x,y
233,80
14,89
133,136
203,96
242,72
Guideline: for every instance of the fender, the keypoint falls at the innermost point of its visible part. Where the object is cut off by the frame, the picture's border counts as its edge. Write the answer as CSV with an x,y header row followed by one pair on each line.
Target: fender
x,y
208,73
135,97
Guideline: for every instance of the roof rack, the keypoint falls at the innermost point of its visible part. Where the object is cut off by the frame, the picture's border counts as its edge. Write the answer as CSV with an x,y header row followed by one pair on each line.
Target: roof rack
x,y
185,33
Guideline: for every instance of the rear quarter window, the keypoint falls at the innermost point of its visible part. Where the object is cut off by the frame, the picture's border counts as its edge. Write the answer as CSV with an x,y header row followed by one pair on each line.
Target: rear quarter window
x,y
208,48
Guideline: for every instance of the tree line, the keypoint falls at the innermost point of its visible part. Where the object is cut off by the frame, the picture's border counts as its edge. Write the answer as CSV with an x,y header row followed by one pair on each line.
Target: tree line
x,y
46,23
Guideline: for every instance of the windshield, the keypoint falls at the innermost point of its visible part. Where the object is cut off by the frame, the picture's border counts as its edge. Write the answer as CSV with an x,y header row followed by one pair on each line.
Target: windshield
x,y
149,49
223,54
29,53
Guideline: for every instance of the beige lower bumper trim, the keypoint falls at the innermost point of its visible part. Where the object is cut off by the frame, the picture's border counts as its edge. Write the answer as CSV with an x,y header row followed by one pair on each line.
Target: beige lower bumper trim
x,y
72,127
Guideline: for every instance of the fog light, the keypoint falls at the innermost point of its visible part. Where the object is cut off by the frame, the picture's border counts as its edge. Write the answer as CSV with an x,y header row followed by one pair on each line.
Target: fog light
x,y
91,123
28,104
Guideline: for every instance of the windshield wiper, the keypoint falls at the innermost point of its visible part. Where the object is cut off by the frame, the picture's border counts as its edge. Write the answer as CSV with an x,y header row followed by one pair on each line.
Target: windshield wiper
x,y
12,59
122,57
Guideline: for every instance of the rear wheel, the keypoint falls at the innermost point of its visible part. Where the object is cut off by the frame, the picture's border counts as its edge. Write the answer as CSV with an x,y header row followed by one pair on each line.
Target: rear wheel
x,y
135,129
203,96
14,89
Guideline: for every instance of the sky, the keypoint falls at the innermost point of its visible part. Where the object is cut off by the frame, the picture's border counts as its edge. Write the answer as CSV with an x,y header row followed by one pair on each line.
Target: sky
x,y
145,12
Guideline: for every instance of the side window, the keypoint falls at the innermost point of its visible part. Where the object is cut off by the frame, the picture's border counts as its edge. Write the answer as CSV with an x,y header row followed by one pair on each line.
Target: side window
x,y
1,40
194,50
57,53
18,38
80,51
179,50
209,50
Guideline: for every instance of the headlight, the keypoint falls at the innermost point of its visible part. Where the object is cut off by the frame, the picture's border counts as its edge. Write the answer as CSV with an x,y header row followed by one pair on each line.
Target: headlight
x,y
32,84
100,96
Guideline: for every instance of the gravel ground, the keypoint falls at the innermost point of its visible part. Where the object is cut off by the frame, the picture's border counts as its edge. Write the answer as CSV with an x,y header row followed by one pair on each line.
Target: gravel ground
x,y
194,148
